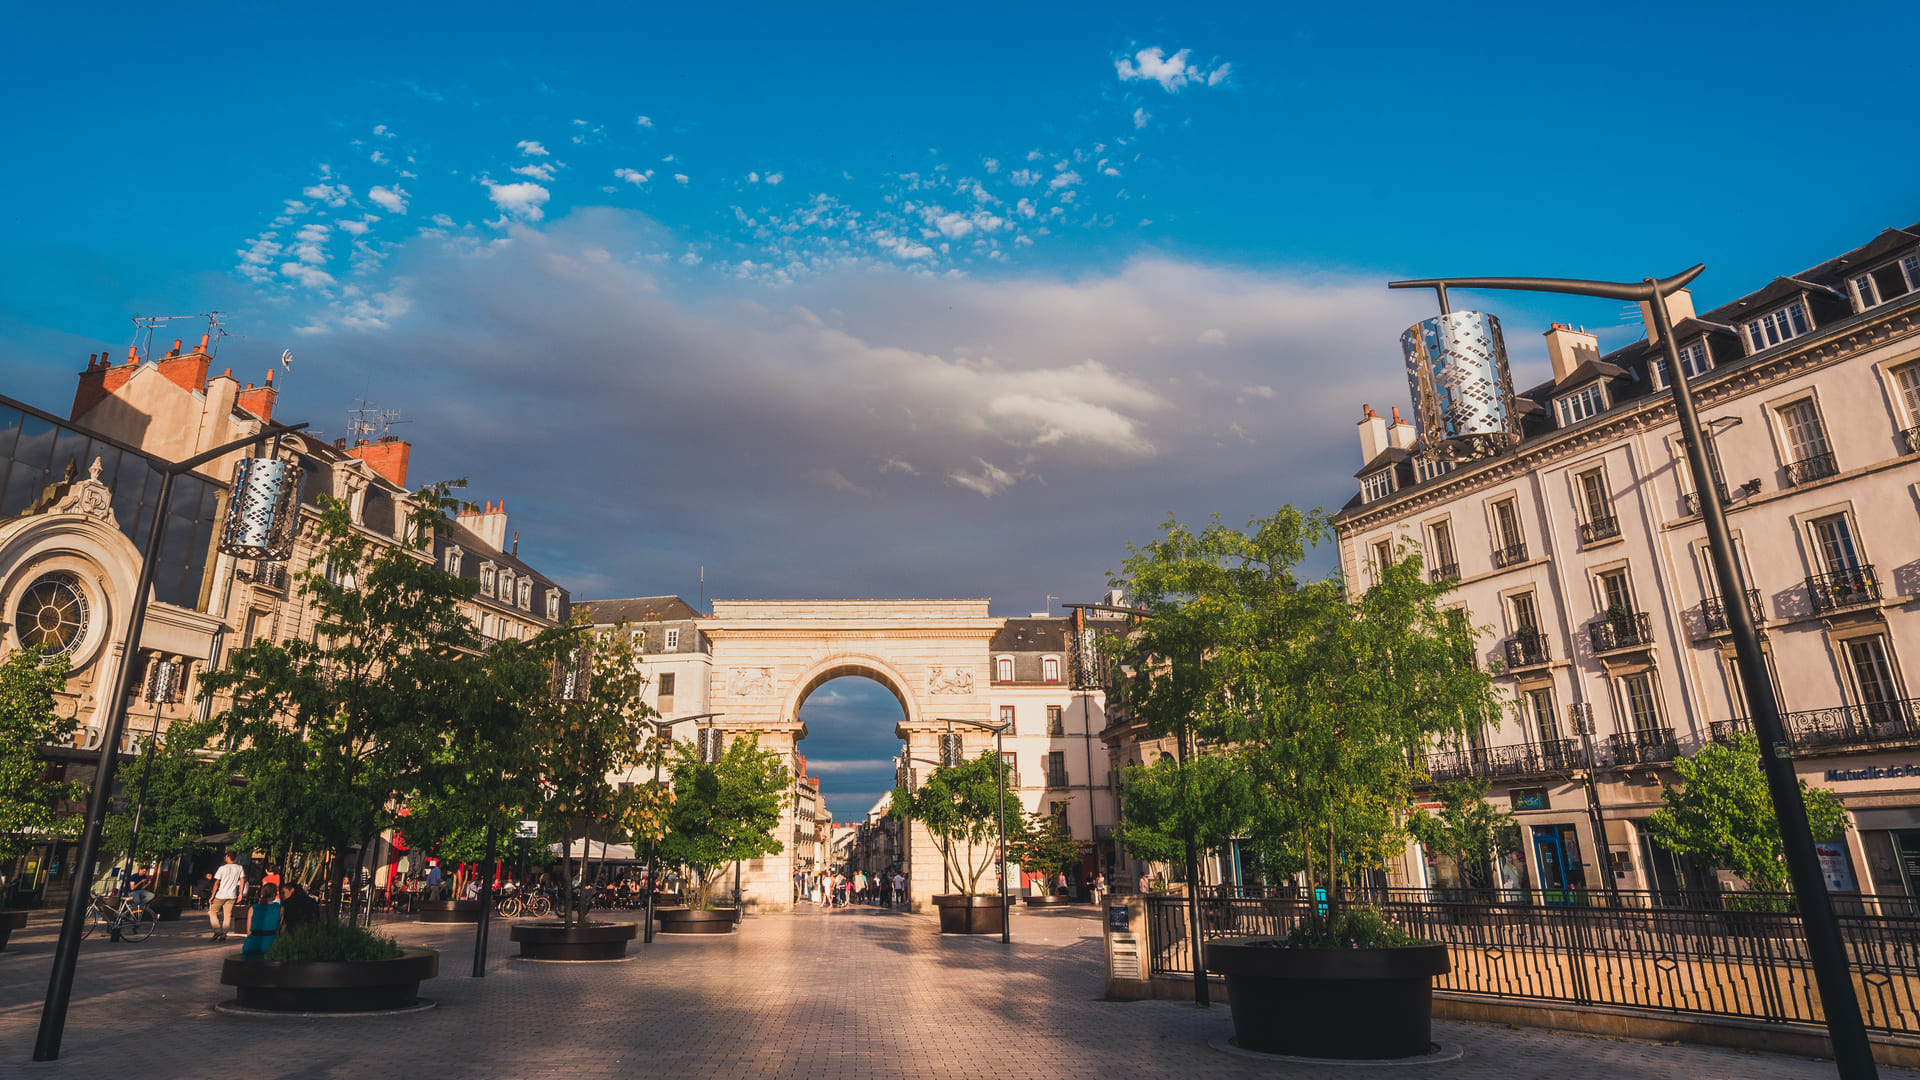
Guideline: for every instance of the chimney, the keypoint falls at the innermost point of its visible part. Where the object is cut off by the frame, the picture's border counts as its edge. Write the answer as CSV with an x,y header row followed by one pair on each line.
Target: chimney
x,y
388,457
490,524
99,382
258,402
1569,348
188,372
1401,435
1373,434
1679,306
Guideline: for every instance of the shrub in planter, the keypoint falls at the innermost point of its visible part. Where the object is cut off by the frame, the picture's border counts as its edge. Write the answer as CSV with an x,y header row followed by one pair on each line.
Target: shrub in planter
x,y
328,966
723,812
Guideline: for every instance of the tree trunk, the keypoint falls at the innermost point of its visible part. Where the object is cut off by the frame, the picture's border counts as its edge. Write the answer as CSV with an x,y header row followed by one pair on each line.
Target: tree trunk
x,y
566,876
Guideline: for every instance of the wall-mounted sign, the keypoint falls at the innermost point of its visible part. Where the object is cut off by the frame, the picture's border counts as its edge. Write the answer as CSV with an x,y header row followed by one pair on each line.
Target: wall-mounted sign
x,y
527,830
1530,799
1117,918
1834,866
1874,772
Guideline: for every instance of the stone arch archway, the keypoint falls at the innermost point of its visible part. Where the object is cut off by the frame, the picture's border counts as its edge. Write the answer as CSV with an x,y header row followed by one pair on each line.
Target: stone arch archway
x,y
856,665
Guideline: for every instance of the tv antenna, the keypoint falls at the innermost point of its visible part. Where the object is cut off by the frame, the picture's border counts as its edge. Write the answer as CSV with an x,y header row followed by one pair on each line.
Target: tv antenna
x,y
147,324
370,422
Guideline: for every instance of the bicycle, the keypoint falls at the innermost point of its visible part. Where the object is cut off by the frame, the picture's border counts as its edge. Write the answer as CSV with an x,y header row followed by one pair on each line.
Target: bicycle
x,y
124,917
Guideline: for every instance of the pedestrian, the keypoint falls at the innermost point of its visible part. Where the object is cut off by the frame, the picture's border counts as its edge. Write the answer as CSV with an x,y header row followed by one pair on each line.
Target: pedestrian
x,y
271,877
1099,888
860,884
297,908
433,880
203,891
263,924
229,884
900,887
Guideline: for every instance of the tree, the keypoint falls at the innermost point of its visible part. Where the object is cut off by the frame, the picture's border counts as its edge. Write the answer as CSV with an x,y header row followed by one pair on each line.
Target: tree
x,y
1042,844
1321,692
33,802
1211,792
1721,813
724,811
960,806
1467,829
182,793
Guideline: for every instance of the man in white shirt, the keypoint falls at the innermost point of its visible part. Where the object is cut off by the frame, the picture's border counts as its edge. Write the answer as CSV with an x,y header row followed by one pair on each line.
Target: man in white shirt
x,y
229,885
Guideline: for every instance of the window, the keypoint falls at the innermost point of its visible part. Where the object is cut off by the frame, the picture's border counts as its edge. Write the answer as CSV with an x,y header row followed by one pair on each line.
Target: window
x,y
1542,724
1636,694
1586,402
1444,563
1426,468
1003,669
1777,326
1526,614
1693,361
1510,545
52,614
1871,672
1596,505
453,556
1057,769
1906,379
526,594
1382,557
486,579
673,639
1376,485
1050,669
1889,282
667,681
1616,597
1056,721
1833,544
1800,423
553,604
1006,718
1010,764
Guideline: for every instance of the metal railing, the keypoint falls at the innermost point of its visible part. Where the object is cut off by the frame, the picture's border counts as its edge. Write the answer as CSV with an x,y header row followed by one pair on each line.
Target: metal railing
x,y
1444,572
1598,529
1838,727
1809,469
1630,630
1643,746
1057,778
1506,762
1734,955
1692,499
1843,589
1528,650
1511,555
1713,612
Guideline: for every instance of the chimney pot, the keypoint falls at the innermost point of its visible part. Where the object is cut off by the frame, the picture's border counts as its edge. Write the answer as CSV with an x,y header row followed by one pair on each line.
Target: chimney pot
x,y
133,354
204,339
227,374
269,376
176,348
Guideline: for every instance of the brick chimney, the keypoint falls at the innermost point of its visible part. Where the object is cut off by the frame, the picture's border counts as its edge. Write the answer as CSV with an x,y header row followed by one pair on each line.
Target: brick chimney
x,y
388,457
101,380
1679,307
1569,348
259,401
1373,434
1401,435
489,524
188,371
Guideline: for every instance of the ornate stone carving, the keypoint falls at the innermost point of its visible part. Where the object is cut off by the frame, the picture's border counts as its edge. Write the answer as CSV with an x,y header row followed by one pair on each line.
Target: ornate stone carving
x,y
950,681
89,497
749,681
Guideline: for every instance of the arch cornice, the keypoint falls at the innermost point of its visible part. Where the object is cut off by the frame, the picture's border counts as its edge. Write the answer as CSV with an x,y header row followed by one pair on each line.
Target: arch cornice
x,y
838,664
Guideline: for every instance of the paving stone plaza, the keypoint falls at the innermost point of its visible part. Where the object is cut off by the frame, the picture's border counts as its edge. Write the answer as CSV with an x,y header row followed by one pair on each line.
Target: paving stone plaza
x,y
847,995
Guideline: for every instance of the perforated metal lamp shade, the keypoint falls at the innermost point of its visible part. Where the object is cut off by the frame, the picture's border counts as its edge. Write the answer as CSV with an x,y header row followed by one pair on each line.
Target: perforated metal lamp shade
x,y
264,513
573,672
1462,392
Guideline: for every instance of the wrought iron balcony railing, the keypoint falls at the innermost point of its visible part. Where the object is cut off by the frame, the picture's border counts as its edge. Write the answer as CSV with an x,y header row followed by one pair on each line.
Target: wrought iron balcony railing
x,y
1713,612
1553,758
1056,778
1842,589
1911,437
1448,571
1528,650
1692,499
1627,630
1646,746
1511,555
1839,727
1807,470
1599,529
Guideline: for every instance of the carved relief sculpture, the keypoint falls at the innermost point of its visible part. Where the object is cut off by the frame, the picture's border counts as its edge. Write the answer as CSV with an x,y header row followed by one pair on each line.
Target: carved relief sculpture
x,y
950,681
749,681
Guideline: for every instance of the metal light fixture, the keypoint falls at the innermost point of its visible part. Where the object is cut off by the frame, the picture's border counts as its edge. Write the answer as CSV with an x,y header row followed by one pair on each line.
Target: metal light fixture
x,y
265,512
573,672
1463,401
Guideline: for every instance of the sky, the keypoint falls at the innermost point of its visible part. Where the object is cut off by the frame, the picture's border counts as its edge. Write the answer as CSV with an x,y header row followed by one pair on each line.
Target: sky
x,y
898,301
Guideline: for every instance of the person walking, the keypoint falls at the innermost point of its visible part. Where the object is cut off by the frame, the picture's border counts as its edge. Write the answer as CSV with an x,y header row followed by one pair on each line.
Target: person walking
x,y
263,924
900,888
1099,888
433,881
229,885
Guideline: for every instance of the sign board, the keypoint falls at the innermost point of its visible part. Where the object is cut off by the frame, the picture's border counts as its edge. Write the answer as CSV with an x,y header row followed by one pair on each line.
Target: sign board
x,y
527,830
1123,958
1834,866
1117,918
1530,799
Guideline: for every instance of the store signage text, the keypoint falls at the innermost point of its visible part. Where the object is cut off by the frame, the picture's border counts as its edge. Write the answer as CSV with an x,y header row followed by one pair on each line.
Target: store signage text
x,y
1873,772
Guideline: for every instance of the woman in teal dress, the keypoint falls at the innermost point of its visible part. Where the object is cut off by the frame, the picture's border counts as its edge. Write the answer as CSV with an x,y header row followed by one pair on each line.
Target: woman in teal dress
x,y
263,923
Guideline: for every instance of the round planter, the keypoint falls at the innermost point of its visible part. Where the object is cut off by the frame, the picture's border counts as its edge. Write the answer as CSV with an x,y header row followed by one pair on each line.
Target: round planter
x,y
450,911
1358,1004
969,914
688,921
667,899
367,986
588,941
9,922
1051,900
168,908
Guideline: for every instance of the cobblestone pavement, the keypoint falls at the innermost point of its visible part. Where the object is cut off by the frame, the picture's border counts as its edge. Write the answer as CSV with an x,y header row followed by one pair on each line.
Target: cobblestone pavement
x,y
846,995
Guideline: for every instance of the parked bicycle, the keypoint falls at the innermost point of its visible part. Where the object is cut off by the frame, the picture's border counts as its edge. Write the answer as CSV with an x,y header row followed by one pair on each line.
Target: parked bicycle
x,y
130,919
518,902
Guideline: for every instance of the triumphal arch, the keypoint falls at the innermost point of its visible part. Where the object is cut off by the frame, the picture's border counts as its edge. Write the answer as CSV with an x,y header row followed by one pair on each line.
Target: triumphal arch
x,y
769,655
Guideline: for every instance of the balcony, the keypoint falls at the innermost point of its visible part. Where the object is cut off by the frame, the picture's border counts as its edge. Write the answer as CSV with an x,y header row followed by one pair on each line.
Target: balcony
x,y
1599,529
1528,650
1807,470
1511,555
1647,746
1627,630
1843,589
1057,778
1713,612
1555,758
1692,499
1911,439
1841,727
1449,571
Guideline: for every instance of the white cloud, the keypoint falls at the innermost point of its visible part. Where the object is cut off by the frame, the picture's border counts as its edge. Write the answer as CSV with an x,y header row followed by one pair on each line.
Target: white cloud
x,y
530,148
310,244
583,132
680,178
393,200
992,165
537,171
634,176
645,121
1171,72
1064,180
753,178
359,227
311,276
383,131
521,201
1025,177
775,178
1140,118
1263,392
1024,207
1212,336
988,479
1219,75
896,465
443,221
331,194
257,257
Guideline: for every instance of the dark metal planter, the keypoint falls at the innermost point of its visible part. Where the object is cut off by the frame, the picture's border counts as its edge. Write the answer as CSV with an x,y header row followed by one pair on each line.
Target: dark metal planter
x,y
9,922
1359,1004
588,941
368,986
969,914
689,921
450,911
1052,900
168,908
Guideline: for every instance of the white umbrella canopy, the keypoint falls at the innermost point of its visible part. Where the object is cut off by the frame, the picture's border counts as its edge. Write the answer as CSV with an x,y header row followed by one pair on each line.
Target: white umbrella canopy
x,y
596,850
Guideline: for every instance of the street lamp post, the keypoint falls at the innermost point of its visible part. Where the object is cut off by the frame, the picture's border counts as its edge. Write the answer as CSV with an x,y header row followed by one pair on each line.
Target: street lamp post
x,y
906,827
1000,770
66,954
653,884
1851,1050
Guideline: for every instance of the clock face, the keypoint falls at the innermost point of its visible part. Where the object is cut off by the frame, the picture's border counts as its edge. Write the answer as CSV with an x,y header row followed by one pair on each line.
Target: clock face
x,y
52,614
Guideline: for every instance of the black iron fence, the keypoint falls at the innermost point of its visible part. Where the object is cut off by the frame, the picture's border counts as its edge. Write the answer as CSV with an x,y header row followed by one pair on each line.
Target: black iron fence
x,y
1511,555
1643,746
1809,469
1846,588
1600,528
1528,650
1736,955
1839,727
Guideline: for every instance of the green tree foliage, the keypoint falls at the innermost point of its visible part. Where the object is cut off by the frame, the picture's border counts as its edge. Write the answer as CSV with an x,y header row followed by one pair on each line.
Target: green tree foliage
x,y
724,811
178,796
1468,828
1321,692
960,806
33,802
1212,793
1042,844
1722,814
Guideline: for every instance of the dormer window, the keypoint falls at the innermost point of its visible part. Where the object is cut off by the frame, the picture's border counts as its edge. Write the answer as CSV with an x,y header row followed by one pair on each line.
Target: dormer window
x,y
672,644
1050,669
1693,361
1376,485
1003,669
553,604
526,594
1777,326
453,556
1587,402
1889,282
506,586
1426,468
487,577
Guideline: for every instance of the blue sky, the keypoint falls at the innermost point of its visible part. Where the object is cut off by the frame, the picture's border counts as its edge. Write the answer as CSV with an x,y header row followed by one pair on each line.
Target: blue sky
x,y
947,303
